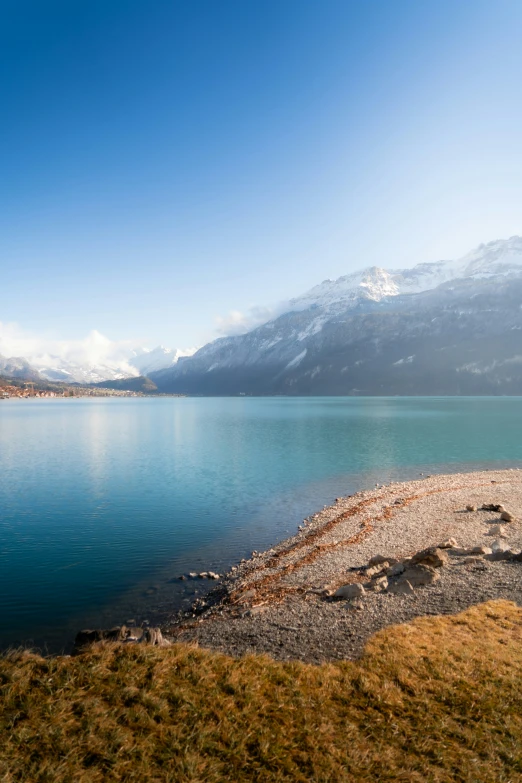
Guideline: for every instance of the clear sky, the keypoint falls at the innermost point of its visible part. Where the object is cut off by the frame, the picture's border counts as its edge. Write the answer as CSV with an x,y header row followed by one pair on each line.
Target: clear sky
x,y
165,163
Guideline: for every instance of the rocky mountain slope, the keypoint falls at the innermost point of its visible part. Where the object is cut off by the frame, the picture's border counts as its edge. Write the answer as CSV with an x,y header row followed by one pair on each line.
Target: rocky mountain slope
x,y
449,327
139,384
18,367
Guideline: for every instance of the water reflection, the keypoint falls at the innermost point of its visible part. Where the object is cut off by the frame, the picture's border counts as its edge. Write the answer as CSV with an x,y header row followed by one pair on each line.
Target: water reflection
x,y
99,498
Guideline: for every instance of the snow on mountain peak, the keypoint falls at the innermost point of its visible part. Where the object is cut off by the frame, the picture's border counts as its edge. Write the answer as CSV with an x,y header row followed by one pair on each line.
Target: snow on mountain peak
x,y
373,283
500,257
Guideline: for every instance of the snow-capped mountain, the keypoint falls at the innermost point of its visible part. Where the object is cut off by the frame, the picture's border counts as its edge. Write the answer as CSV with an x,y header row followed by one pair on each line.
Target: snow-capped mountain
x,y
54,368
146,361
501,257
443,327
380,331
18,367
372,284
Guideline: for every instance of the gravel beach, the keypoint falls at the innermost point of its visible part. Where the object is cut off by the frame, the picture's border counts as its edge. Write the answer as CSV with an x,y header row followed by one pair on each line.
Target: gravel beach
x,y
280,601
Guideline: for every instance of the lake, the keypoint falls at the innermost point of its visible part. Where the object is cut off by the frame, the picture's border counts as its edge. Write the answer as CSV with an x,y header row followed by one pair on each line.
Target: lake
x,y
104,502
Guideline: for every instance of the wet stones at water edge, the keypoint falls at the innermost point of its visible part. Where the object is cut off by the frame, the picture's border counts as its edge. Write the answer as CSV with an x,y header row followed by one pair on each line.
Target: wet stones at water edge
x,y
201,575
123,634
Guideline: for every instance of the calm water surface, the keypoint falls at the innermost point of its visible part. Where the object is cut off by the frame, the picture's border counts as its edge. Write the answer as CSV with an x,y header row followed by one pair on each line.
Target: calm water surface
x,y
104,501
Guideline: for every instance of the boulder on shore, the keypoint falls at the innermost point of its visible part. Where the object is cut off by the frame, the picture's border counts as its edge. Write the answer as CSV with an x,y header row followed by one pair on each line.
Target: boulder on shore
x,y
377,560
396,570
499,546
401,588
474,550
349,591
377,569
432,556
449,543
380,585
419,575
501,554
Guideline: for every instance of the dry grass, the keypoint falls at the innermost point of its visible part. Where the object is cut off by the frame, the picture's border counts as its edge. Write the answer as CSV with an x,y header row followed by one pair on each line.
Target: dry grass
x,y
439,699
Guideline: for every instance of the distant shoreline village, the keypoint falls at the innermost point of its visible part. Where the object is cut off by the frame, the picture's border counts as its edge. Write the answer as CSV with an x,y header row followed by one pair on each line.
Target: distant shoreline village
x,y
28,390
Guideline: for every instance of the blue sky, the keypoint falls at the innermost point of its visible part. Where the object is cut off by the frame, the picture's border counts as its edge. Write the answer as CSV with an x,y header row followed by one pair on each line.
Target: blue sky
x,y
163,164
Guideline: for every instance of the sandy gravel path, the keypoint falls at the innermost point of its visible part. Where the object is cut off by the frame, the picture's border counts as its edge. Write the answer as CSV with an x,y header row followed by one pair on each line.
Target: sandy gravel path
x,y
274,602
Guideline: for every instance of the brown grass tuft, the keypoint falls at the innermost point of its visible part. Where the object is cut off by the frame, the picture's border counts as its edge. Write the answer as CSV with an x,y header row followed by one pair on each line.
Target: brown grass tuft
x,y
439,699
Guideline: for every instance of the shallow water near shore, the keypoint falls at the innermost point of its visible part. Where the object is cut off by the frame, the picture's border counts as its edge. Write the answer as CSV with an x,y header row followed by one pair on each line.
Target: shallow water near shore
x,y
104,502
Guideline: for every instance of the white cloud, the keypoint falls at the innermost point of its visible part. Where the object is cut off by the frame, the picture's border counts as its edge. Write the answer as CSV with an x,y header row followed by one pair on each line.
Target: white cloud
x,y
237,322
41,350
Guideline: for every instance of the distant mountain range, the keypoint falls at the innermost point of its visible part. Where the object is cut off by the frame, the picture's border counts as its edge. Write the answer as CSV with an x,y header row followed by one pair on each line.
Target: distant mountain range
x,y
447,327
139,362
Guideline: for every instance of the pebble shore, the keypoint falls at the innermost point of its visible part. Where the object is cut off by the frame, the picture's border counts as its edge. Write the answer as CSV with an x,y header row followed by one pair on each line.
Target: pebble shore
x,y
280,601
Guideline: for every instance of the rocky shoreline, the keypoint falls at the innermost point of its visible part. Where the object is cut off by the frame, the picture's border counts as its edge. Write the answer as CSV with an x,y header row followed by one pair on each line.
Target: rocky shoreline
x,y
381,547
380,557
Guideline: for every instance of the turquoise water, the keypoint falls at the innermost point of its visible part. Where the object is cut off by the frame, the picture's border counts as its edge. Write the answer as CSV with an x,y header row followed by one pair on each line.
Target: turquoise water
x,y
104,501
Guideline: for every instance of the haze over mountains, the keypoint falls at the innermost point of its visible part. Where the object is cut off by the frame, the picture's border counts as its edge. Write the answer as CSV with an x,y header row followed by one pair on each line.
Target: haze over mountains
x,y
446,327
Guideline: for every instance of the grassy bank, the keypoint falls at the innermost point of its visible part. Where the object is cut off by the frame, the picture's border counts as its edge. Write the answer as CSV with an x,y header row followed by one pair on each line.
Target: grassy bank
x,y
439,699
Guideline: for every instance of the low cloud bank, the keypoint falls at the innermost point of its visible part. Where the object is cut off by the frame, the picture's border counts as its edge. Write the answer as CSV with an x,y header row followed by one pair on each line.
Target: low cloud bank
x,y
96,350
42,351
240,322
